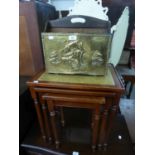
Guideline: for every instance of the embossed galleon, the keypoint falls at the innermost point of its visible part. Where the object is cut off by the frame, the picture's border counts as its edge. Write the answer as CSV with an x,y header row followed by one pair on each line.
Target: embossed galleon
x,y
75,53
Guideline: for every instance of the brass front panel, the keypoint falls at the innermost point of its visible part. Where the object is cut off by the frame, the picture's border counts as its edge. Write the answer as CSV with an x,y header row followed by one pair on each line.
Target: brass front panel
x,y
74,53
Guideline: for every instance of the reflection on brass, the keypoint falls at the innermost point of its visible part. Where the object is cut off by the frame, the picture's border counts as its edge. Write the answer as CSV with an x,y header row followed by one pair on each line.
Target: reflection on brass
x,y
76,53
71,54
54,58
97,58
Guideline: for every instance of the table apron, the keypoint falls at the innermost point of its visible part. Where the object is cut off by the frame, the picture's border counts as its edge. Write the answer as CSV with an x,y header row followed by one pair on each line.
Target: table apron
x,y
75,92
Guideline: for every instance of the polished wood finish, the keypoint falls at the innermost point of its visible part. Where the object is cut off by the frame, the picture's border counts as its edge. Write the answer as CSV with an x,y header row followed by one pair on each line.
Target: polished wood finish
x,y
45,116
65,22
33,16
76,102
39,114
111,116
52,119
109,92
104,123
24,48
30,50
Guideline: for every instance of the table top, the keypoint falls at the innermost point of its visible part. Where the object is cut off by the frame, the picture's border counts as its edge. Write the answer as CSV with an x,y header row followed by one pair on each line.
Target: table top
x,y
111,80
78,79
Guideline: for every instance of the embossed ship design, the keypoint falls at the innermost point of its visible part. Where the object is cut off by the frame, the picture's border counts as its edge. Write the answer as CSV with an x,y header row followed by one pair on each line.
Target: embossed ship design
x,y
85,54
75,55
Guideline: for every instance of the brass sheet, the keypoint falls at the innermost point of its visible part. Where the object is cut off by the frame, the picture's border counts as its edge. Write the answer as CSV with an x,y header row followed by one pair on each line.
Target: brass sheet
x,y
75,53
78,79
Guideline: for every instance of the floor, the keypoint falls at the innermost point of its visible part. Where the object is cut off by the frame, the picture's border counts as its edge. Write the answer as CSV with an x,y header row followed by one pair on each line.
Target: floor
x,y
127,106
76,136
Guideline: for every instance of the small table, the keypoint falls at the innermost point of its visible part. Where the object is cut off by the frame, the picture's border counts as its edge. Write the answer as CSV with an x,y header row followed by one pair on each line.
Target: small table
x,y
109,86
128,77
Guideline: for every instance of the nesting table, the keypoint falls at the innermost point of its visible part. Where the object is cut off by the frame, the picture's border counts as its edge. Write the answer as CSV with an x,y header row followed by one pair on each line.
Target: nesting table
x,y
101,94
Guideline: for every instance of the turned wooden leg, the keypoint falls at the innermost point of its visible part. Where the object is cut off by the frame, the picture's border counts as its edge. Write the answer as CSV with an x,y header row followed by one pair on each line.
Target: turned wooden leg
x,y
104,123
111,116
40,119
62,116
44,109
53,123
95,127
37,107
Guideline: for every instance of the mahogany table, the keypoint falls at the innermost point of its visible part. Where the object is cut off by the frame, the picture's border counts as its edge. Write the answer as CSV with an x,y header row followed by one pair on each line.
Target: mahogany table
x,y
108,87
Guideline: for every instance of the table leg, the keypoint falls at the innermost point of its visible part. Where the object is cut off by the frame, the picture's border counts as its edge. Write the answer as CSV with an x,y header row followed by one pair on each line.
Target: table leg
x,y
40,119
111,116
37,107
53,123
95,127
44,109
103,124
